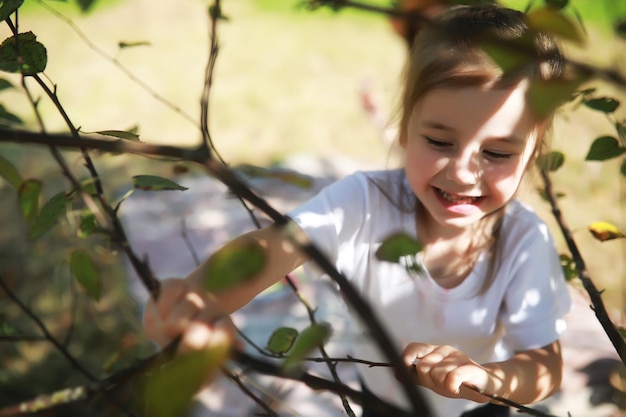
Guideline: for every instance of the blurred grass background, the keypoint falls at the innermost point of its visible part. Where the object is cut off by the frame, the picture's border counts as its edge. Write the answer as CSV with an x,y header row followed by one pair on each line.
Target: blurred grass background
x,y
287,81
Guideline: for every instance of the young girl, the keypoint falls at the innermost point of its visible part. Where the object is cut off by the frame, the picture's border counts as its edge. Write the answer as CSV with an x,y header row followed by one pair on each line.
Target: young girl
x,y
485,311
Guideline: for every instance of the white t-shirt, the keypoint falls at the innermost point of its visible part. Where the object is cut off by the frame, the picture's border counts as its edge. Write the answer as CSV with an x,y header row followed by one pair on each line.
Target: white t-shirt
x,y
521,310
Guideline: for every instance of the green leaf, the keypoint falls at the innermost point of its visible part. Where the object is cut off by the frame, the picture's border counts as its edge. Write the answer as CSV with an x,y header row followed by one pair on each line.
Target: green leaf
x,y
603,104
86,272
234,263
620,28
32,54
551,162
85,5
122,134
7,330
28,199
123,45
88,223
400,246
155,183
309,339
10,173
170,390
286,176
620,128
7,118
509,57
569,267
544,195
545,96
603,148
48,215
281,340
216,13
550,20
623,168
7,7
5,84
556,4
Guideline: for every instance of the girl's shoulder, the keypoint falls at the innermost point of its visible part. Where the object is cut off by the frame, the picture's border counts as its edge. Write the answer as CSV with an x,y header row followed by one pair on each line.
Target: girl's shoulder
x,y
391,183
522,223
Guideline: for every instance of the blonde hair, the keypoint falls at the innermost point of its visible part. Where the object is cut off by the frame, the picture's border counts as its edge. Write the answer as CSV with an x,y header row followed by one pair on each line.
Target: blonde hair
x,y
449,53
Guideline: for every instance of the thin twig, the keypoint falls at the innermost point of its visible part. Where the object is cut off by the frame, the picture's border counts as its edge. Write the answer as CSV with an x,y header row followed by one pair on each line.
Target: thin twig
x,y
596,296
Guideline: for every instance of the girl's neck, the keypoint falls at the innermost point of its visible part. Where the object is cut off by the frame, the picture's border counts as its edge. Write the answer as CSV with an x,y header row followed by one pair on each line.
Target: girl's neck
x,y
430,232
451,253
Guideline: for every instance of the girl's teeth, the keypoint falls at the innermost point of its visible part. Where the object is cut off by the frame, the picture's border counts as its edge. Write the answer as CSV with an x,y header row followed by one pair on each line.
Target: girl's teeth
x,y
456,199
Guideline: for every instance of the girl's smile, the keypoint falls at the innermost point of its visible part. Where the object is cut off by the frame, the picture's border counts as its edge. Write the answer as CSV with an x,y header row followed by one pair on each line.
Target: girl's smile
x,y
467,150
461,204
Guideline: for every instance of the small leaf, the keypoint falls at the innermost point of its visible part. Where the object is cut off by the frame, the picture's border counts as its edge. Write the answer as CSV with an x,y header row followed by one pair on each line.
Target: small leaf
x,y
544,196
10,173
556,4
88,223
622,169
5,84
569,267
398,246
234,263
86,272
85,5
551,162
286,176
48,215
509,58
32,57
123,45
156,183
545,96
7,7
128,135
620,28
620,128
281,340
550,20
605,231
170,390
7,330
309,339
603,148
603,104
7,118
216,13
28,199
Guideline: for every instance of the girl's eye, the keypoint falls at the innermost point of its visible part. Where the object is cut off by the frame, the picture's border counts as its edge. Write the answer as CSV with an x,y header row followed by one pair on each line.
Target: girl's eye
x,y
498,155
437,143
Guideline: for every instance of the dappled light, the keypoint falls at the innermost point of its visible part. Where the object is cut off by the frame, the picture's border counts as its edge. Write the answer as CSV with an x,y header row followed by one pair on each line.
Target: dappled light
x,y
213,210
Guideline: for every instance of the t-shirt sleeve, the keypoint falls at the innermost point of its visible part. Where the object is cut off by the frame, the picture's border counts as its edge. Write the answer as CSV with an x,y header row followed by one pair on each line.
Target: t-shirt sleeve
x,y
332,217
537,296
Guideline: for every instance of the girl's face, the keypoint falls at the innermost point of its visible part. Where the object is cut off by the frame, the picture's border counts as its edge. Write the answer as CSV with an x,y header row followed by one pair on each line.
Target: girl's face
x,y
467,150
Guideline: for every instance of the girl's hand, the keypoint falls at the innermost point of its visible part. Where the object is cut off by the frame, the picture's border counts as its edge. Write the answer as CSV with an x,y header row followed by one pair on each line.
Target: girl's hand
x,y
193,315
447,371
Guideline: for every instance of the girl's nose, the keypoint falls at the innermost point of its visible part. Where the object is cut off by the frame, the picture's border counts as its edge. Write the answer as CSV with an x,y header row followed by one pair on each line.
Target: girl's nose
x,y
464,169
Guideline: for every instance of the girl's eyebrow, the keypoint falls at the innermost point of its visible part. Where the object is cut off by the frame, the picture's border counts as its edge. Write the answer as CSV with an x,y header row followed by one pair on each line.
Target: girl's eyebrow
x,y
513,140
439,126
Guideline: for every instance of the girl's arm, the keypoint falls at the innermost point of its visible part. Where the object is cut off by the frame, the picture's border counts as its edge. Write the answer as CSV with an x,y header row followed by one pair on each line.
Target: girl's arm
x,y
527,377
184,308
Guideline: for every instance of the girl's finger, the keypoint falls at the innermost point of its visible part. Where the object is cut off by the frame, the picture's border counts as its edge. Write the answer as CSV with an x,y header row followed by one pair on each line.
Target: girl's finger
x,y
414,351
185,311
171,292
